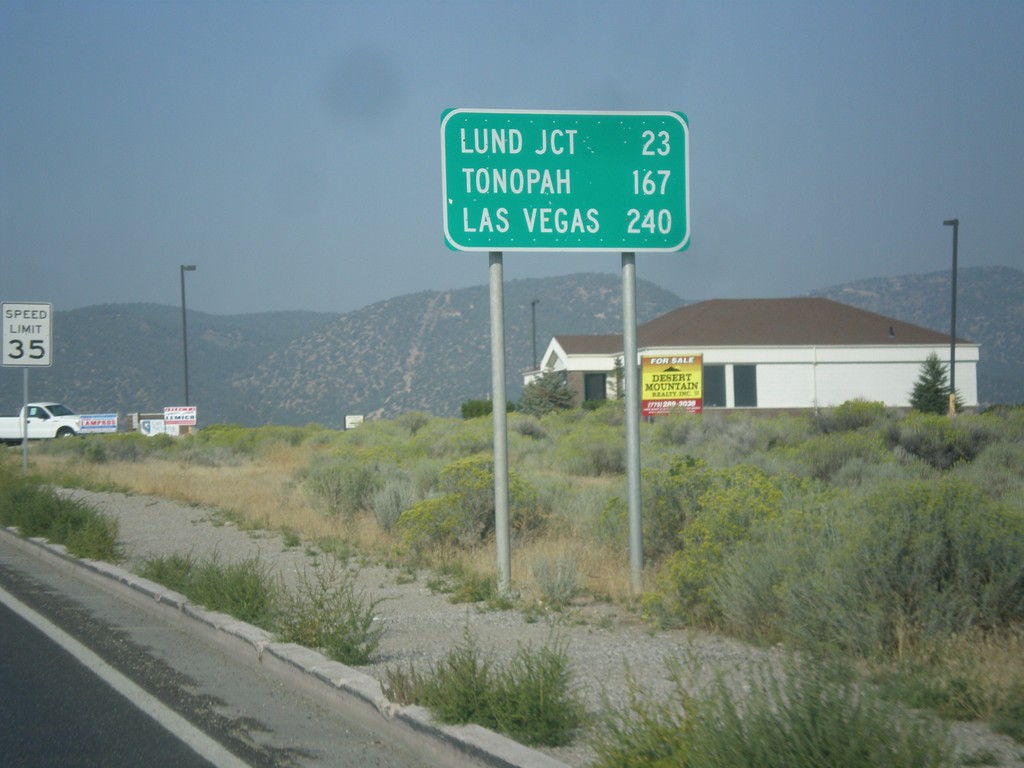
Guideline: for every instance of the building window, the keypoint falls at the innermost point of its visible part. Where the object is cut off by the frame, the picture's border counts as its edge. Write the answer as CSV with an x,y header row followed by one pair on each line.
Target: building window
x,y
744,381
714,386
595,386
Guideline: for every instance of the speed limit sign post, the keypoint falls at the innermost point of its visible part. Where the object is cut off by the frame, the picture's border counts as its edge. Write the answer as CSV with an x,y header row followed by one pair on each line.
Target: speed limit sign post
x,y
27,334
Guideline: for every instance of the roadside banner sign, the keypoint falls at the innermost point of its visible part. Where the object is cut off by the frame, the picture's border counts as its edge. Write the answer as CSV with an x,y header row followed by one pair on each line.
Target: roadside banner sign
x,y
180,415
565,181
27,335
97,422
670,382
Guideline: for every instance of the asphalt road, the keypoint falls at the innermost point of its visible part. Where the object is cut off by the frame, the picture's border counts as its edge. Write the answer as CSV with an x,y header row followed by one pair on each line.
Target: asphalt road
x,y
91,679
55,711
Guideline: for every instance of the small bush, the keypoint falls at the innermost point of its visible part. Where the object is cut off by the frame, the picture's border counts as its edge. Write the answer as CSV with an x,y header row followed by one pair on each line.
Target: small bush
x,y
669,499
528,426
722,518
823,457
389,501
1008,715
802,715
36,510
463,512
533,699
328,614
342,486
413,421
594,450
474,409
939,440
646,733
558,581
241,589
676,427
808,715
851,416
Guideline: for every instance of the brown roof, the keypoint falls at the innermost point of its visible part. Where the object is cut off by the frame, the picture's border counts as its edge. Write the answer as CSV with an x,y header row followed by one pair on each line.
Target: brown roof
x,y
807,321
591,345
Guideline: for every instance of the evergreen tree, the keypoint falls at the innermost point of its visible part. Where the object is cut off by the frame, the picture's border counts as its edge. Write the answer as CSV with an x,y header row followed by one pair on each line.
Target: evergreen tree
x,y
545,394
931,391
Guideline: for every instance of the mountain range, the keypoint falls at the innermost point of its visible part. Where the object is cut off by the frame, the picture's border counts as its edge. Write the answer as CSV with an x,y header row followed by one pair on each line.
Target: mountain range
x,y
429,351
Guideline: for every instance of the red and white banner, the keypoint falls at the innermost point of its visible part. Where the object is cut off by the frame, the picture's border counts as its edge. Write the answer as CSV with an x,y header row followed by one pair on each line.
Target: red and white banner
x,y
182,415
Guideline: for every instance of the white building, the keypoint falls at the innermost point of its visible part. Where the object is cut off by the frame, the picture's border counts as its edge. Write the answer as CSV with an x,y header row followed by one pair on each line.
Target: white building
x,y
768,354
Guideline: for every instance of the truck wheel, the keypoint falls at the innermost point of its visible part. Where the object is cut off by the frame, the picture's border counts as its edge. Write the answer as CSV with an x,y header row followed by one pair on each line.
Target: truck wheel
x,y
65,432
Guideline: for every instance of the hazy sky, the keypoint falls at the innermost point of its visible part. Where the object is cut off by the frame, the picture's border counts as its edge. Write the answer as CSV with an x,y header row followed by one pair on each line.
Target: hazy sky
x,y
291,150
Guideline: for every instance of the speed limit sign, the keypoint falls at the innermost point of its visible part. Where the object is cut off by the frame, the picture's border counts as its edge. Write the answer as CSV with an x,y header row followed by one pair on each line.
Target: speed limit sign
x,y
28,330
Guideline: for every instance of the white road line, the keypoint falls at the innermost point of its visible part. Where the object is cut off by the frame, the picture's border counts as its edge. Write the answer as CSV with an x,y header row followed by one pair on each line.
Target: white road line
x,y
181,728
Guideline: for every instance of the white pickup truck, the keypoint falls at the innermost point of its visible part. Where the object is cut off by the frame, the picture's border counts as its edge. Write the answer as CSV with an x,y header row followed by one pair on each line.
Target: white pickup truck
x,y
45,420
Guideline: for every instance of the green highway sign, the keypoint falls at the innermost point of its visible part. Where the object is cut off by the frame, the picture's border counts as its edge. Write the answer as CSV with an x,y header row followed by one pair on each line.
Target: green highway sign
x,y
565,181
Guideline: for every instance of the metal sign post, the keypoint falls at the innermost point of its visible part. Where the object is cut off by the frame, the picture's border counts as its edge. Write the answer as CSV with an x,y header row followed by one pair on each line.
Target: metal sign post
x,y
632,381
499,411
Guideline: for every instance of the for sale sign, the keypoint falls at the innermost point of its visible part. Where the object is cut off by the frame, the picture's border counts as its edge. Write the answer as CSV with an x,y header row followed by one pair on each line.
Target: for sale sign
x,y
669,382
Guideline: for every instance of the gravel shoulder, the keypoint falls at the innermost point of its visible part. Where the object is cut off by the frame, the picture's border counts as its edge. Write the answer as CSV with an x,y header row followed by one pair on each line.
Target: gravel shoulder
x,y
606,645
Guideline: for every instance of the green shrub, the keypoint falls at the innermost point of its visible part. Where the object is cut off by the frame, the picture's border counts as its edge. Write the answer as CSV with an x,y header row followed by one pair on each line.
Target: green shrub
x,y
464,585
593,449
532,699
676,427
648,732
874,571
450,439
808,715
413,421
36,510
1008,717
851,416
463,512
941,555
396,494
939,440
545,394
997,469
328,614
93,538
243,589
342,486
251,441
825,456
557,581
473,409
735,500
669,499
794,716
528,426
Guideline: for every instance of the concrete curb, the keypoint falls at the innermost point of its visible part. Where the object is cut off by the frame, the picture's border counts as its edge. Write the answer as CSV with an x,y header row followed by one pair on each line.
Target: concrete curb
x,y
310,670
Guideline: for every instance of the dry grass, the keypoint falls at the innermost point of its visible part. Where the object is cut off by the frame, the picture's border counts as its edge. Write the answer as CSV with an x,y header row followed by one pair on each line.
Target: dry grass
x,y
266,492
991,663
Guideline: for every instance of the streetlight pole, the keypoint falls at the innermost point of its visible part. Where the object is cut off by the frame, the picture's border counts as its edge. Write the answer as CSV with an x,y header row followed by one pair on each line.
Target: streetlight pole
x,y
533,325
184,328
955,224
